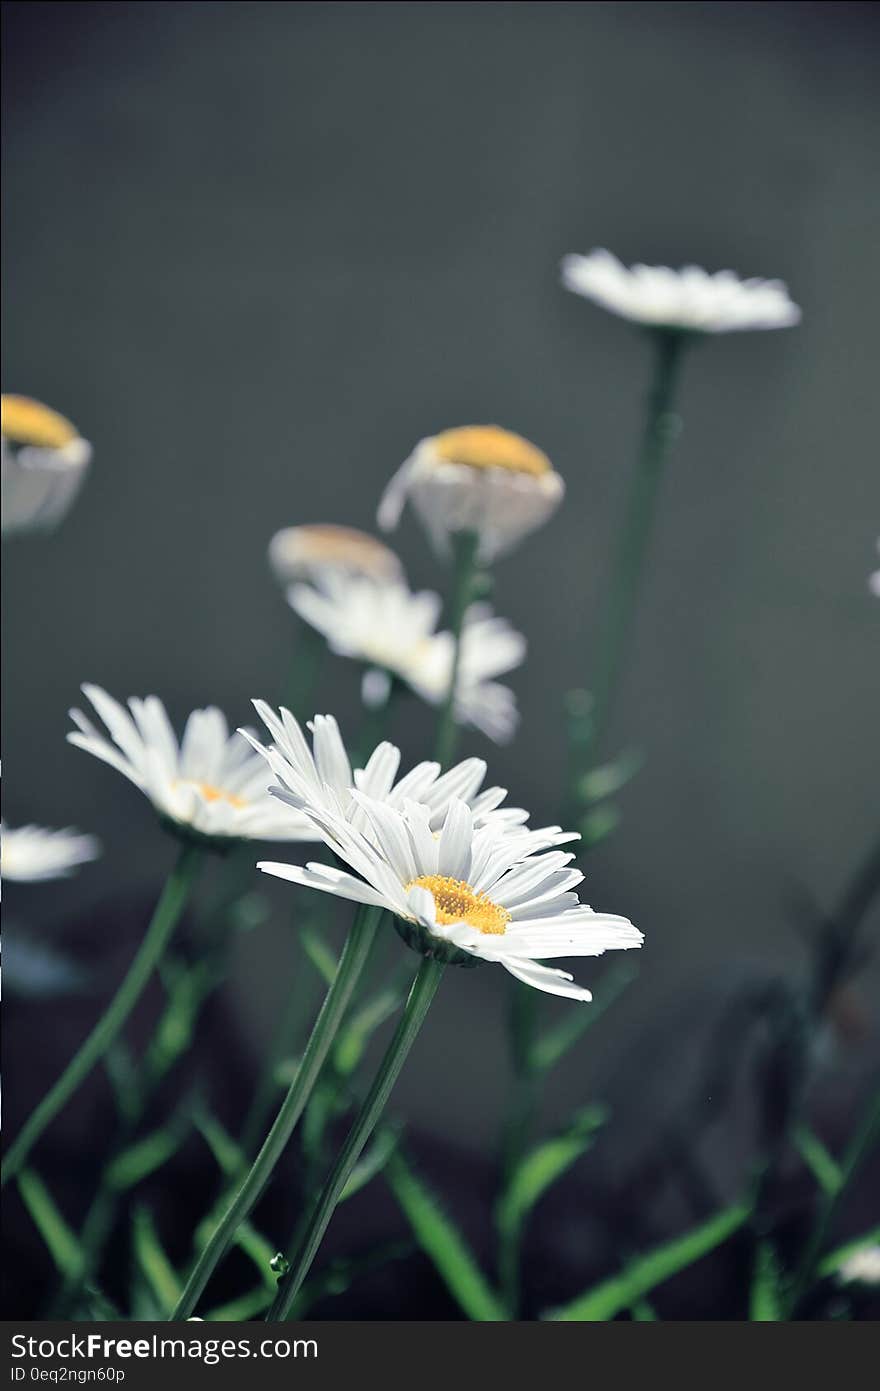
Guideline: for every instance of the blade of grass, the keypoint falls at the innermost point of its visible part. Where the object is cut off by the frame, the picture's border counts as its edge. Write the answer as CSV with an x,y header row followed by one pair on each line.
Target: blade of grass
x,y
442,1242
641,1275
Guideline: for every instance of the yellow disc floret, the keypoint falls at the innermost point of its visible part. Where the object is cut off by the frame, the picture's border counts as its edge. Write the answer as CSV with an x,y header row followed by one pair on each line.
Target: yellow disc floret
x,y
456,902
488,446
215,794
28,422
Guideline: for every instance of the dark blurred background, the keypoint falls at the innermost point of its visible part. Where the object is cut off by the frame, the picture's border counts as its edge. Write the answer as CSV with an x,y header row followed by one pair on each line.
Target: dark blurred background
x,y
255,251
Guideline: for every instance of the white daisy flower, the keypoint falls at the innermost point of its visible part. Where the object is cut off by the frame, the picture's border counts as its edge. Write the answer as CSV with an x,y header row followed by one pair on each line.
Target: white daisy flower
x,y
490,893
874,579
32,853
862,1266
477,478
392,630
44,461
690,298
313,552
209,786
322,776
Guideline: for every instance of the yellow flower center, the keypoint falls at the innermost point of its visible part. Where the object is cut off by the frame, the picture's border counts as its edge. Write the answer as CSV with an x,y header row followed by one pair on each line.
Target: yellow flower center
x,y
28,422
456,902
339,544
488,446
215,794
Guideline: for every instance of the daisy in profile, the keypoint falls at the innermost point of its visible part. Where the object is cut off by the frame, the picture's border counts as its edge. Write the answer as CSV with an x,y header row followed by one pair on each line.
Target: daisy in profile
x,y
393,632
689,299
32,854
467,894
322,775
210,787
312,553
44,461
476,478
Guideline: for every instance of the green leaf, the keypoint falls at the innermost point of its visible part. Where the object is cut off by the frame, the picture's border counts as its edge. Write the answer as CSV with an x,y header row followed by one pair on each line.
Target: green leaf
x,y
825,1170
233,1163
546,1163
60,1240
598,824
372,1163
609,778
643,1312
152,1260
356,1034
443,1244
554,1043
143,1158
244,1308
641,1275
318,951
831,1263
765,1298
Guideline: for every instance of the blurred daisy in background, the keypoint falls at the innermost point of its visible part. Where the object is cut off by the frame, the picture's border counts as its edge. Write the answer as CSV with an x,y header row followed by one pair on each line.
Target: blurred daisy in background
x,y
393,631
32,853
44,462
478,478
312,553
212,785
470,893
862,1267
874,579
690,298
322,775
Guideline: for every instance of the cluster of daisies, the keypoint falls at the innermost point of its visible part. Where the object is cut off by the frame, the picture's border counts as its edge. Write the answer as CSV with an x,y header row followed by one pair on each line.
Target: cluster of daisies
x,y
463,875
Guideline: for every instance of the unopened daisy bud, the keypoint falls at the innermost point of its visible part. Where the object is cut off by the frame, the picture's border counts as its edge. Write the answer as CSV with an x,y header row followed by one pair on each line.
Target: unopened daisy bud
x,y
44,461
690,299
313,552
477,478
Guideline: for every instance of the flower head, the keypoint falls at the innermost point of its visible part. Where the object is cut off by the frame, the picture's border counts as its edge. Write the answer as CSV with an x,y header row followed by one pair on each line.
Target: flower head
x,y
392,630
32,853
315,553
322,776
478,478
469,893
210,786
690,299
44,461
862,1266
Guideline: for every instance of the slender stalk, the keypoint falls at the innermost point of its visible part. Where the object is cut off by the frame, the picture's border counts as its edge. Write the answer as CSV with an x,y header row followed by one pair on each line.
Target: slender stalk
x,y
465,545
302,675
628,563
351,963
165,918
420,997
860,1146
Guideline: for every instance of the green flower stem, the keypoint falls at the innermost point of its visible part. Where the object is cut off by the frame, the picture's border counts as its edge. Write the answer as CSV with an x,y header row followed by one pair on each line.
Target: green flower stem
x,y
302,676
860,1146
628,563
420,997
465,544
165,918
351,963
